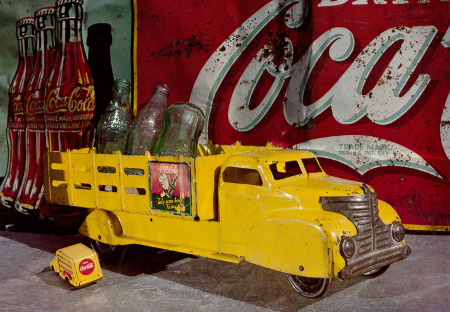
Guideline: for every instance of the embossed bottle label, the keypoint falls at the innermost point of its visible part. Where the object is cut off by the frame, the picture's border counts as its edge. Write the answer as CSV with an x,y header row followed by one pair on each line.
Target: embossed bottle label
x,y
16,116
34,110
69,107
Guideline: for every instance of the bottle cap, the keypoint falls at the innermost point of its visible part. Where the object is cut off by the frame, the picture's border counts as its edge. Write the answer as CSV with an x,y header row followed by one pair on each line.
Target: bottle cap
x,y
25,27
43,15
44,11
61,2
69,9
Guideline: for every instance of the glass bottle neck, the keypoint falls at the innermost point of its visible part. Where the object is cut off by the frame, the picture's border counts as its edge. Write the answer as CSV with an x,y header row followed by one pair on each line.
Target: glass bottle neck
x,y
26,46
26,35
160,95
45,39
159,100
45,26
121,96
69,30
69,16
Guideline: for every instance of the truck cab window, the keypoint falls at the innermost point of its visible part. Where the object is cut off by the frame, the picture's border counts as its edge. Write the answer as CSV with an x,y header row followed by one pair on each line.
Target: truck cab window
x,y
311,165
283,170
242,176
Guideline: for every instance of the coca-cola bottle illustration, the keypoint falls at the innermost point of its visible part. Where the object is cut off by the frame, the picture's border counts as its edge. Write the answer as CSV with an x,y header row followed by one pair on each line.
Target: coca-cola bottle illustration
x,y
69,93
31,189
16,118
69,101
115,122
145,129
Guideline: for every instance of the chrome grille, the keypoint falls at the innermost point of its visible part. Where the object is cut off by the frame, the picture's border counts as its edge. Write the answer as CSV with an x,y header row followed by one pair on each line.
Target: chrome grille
x,y
374,246
363,211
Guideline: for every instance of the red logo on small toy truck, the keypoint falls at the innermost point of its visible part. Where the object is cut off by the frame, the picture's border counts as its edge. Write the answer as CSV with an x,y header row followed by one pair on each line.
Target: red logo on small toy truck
x,y
65,273
86,266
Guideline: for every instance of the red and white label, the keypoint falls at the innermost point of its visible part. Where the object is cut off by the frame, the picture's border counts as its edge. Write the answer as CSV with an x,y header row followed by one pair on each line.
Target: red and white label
x,y
86,266
168,168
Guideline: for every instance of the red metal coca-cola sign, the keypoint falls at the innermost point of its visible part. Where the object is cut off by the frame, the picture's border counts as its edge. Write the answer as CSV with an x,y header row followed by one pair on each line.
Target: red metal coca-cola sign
x,y
364,84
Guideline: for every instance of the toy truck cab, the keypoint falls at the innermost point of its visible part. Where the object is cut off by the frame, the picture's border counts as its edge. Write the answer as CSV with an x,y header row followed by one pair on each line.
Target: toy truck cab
x,y
271,207
287,214
77,263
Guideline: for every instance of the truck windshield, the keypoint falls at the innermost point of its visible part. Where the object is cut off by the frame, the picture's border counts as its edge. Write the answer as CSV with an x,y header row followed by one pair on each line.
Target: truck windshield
x,y
311,165
283,170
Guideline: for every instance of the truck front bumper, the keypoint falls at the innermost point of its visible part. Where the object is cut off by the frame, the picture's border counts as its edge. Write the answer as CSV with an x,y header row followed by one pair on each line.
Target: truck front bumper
x,y
374,260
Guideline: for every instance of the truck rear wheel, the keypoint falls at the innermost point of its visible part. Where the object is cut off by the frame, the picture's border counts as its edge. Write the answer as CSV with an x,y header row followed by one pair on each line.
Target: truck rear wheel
x,y
309,287
106,252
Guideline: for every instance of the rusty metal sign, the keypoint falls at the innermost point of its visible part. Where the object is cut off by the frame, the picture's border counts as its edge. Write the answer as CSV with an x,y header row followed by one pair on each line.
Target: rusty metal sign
x,y
364,84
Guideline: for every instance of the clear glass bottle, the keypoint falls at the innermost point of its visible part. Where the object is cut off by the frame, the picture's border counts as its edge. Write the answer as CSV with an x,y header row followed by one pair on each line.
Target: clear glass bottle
x,y
115,122
16,116
181,127
146,127
31,189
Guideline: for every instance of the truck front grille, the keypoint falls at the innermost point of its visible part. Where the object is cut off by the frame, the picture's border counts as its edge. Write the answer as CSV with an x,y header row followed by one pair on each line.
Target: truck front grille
x,y
363,212
375,246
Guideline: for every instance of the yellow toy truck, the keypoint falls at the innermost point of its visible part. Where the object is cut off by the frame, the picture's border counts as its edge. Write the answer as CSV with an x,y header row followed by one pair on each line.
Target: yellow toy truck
x,y
269,206
77,263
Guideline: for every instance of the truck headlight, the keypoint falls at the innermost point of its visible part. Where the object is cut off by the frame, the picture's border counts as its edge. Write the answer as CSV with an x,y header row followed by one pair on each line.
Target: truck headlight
x,y
347,247
398,231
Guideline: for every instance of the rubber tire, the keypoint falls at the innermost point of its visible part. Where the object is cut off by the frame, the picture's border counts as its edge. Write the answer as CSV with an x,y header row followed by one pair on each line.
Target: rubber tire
x,y
106,252
309,287
376,272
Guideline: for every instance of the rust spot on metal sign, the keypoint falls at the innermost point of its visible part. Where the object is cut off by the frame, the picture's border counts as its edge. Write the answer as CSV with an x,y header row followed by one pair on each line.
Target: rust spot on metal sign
x,y
183,47
277,48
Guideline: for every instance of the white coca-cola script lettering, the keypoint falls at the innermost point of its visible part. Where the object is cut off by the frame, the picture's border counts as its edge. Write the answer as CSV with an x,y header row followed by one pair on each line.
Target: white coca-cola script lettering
x,y
168,169
86,266
383,104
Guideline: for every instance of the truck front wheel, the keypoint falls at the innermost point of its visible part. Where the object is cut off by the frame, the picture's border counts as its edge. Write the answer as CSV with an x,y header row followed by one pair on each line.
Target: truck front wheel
x,y
309,287
106,252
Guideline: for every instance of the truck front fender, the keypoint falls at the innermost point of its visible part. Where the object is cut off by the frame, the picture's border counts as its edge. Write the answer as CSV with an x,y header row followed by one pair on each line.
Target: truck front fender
x,y
103,226
290,246
304,243
387,213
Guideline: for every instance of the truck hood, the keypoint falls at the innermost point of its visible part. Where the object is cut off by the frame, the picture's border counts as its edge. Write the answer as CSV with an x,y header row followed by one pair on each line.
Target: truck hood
x,y
312,189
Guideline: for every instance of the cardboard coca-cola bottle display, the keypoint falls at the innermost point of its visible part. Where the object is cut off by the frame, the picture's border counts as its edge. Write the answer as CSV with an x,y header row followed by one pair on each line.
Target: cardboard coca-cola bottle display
x,y
16,117
31,190
69,94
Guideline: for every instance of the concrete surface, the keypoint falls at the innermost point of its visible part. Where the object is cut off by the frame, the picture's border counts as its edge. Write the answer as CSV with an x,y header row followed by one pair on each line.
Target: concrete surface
x,y
146,279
